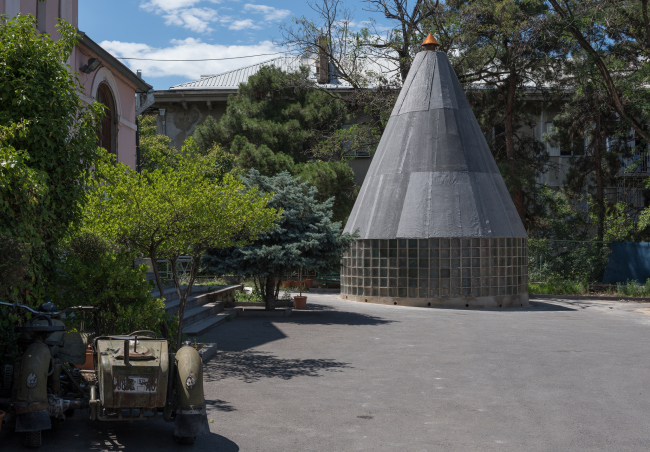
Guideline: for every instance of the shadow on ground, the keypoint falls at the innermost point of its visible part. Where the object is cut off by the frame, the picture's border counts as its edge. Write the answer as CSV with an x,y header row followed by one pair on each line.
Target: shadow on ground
x,y
326,315
251,366
543,306
78,434
219,405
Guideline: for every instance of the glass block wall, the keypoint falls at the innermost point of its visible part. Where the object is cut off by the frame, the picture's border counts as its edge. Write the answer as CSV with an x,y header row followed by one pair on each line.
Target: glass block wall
x,y
435,268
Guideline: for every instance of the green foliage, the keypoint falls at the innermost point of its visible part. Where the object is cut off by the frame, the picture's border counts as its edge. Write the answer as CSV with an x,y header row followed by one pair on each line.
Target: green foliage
x,y
94,274
561,217
633,289
279,110
14,264
571,260
332,180
169,212
48,145
558,286
261,158
345,143
253,297
618,224
304,237
155,149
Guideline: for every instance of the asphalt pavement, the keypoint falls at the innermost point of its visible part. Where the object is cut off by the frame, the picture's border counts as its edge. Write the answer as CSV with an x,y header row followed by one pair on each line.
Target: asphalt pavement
x,y
348,376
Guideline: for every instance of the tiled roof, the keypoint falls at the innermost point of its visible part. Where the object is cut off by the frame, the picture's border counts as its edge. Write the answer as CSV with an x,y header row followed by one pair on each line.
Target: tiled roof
x,y
232,79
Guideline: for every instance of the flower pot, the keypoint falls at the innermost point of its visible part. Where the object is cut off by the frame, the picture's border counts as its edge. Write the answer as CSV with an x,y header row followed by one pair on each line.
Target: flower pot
x,y
286,284
299,302
307,283
2,416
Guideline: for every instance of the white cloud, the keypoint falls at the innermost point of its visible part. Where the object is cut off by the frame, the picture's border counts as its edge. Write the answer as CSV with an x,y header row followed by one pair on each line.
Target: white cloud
x,y
195,19
189,49
170,5
270,13
183,13
196,15
242,24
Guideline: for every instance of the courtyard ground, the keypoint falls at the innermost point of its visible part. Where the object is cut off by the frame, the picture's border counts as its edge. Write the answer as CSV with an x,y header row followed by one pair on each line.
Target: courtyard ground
x,y
347,376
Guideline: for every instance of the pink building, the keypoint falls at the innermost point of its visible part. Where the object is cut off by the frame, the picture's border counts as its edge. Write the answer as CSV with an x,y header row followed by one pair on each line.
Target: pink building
x,y
105,78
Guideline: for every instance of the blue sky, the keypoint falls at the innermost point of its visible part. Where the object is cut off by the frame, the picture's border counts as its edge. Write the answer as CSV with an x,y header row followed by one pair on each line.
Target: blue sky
x,y
190,29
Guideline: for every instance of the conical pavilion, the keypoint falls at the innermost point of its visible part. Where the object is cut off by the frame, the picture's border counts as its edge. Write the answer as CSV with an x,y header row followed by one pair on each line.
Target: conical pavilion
x,y
436,222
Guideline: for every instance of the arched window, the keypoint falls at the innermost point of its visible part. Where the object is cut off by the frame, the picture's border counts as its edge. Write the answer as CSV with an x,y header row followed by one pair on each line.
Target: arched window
x,y
107,132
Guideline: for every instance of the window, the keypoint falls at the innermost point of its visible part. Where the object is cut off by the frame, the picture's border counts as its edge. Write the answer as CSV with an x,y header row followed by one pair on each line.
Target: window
x,y
107,133
553,151
12,7
65,10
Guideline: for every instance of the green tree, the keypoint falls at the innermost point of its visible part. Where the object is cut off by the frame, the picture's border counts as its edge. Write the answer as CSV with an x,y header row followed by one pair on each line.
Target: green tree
x,y
48,146
613,36
304,237
279,110
276,120
332,180
155,148
169,212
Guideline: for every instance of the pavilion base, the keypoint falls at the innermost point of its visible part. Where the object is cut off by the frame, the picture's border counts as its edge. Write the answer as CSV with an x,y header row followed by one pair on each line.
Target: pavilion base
x,y
495,302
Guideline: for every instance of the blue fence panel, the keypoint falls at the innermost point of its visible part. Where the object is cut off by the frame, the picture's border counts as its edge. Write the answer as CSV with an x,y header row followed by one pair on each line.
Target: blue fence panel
x,y
628,261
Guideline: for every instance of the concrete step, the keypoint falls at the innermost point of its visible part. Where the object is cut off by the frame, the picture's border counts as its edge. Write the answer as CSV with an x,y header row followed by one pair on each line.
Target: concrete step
x,y
171,294
193,301
204,326
200,313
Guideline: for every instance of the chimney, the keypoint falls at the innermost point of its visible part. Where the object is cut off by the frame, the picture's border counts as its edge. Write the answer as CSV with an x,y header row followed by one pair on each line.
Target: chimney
x,y
322,62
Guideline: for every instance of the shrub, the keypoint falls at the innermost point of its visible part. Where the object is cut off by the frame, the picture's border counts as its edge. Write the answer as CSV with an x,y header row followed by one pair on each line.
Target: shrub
x,y
95,274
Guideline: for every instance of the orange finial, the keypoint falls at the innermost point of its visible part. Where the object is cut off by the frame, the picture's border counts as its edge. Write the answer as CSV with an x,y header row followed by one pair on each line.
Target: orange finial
x,y
430,43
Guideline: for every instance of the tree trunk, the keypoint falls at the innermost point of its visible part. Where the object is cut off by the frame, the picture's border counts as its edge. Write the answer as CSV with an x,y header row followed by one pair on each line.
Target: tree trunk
x,y
600,189
270,292
277,289
154,265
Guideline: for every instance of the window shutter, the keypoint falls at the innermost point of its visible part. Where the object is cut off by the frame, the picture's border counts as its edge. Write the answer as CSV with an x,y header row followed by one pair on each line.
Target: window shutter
x,y
12,8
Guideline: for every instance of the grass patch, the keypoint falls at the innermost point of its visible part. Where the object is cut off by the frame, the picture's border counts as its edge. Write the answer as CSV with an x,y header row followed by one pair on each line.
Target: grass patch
x,y
558,287
634,289
567,287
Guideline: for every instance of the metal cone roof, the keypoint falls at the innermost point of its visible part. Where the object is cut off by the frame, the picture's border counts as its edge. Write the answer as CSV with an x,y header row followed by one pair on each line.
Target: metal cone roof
x,y
433,174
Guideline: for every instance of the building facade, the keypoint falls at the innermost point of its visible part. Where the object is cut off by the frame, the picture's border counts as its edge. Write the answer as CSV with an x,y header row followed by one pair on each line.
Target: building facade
x,y
104,78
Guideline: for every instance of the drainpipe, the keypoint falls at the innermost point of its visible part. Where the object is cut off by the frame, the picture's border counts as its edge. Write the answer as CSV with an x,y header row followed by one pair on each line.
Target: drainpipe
x,y
138,157
162,112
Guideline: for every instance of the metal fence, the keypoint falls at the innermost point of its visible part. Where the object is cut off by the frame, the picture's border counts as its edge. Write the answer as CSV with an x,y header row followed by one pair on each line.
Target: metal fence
x,y
578,260
183,267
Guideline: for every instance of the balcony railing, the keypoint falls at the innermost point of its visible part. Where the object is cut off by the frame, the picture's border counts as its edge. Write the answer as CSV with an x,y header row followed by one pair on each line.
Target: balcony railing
x,y
637,165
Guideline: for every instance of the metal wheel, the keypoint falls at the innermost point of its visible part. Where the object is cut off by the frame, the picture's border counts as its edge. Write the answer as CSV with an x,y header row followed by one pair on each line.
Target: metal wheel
x,y
32,440
187,440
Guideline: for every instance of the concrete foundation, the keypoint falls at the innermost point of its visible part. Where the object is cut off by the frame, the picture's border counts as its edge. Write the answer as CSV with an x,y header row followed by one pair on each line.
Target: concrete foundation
x,y
498,302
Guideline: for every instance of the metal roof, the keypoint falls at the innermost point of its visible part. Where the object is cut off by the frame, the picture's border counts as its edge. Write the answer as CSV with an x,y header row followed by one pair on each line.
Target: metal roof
x,y
232,79
433,174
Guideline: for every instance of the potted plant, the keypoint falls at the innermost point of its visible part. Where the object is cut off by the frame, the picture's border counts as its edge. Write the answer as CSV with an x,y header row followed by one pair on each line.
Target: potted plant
x,y
300,301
